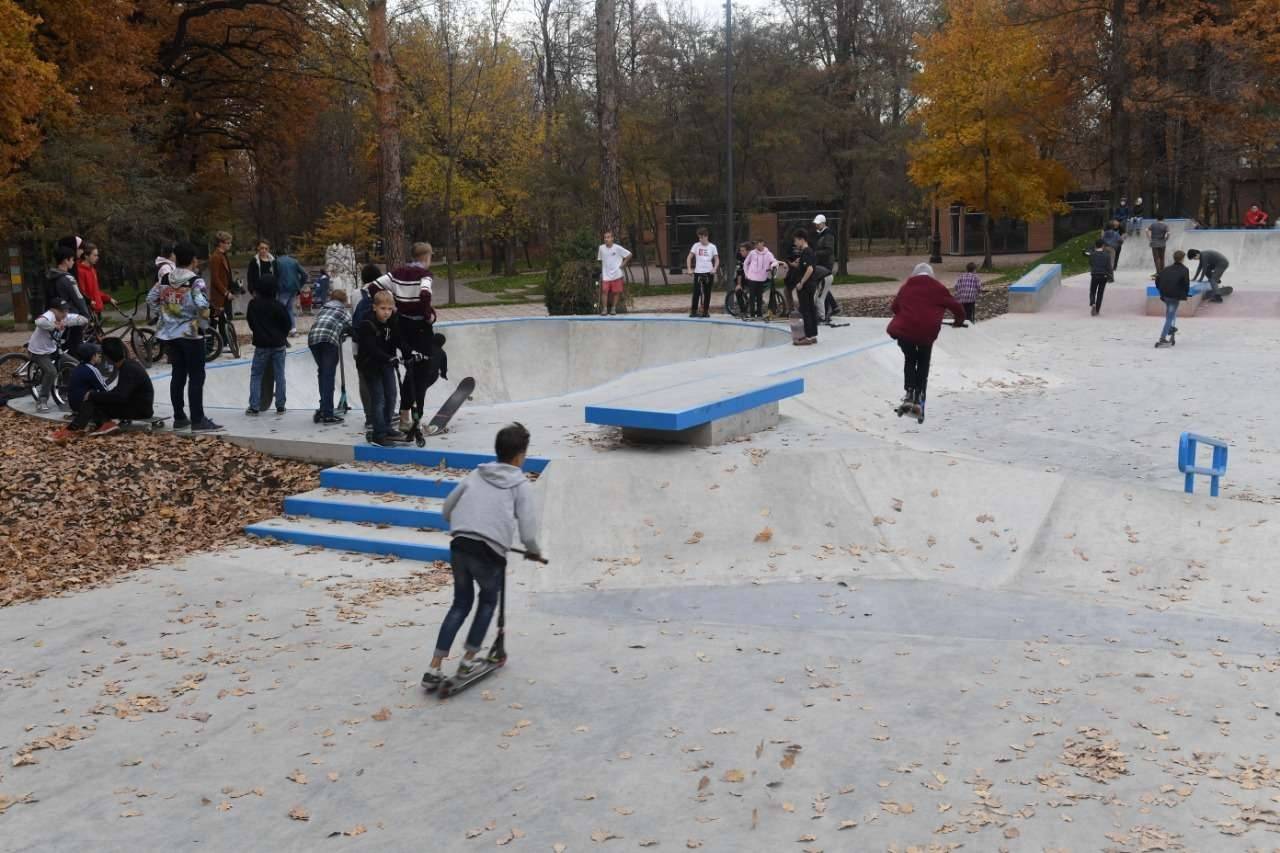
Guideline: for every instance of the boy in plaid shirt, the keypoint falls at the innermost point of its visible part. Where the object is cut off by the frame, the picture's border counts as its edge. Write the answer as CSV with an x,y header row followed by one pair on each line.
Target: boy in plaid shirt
x,y
332,324
968,286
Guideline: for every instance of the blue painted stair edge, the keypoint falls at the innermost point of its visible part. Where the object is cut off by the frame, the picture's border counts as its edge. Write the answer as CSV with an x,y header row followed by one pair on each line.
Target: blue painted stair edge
x,y
432,458
356,480
409,550
338,511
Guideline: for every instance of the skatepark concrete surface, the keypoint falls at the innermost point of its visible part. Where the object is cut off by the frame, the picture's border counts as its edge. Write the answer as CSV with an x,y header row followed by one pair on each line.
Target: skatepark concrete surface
x,y
1006,628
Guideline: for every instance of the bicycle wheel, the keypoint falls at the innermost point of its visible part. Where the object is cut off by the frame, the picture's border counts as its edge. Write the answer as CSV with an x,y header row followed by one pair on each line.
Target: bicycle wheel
x,y
233,339
16,368
731,302
777,305
62,385
212,345
146,349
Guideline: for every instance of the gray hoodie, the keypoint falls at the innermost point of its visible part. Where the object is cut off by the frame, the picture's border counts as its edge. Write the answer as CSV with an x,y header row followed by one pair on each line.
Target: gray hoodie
x,y
489,503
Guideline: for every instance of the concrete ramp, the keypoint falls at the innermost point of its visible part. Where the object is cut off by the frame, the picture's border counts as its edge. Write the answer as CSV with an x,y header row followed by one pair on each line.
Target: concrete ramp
x,y
1254,254
747,516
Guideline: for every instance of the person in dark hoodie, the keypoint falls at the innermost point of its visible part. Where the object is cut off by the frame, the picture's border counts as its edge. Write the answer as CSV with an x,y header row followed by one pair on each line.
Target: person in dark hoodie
x,y
376,356
270,324
1100,272
131,398
918,309
410,285
60,283
1174,284
484,513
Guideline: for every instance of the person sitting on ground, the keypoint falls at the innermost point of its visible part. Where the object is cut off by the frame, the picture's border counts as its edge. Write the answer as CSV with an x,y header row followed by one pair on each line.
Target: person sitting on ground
x,y
1212,265
1174,284
86,376
332,324
270,324
44,343
1255,217
182,301
1100,272
968,289
131,398
484,513
918,309
376,356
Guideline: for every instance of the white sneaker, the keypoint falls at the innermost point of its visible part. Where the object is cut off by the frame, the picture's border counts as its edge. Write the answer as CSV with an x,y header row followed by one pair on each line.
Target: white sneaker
x,y
42,407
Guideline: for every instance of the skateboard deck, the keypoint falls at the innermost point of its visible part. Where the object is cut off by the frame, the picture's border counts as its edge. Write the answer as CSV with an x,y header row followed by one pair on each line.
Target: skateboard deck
x,y
455,684
1222,291
440,421
147,425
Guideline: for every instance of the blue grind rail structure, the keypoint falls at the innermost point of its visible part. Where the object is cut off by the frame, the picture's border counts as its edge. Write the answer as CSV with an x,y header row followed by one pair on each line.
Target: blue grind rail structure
x,y
413,529
1187,446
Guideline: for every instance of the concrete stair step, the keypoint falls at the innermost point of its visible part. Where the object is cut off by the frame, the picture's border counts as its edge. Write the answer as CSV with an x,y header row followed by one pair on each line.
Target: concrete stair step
x,y
409,455
356,479
341,505
349,536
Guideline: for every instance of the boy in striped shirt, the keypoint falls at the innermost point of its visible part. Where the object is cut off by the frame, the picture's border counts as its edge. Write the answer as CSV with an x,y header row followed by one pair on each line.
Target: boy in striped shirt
x,y
968,286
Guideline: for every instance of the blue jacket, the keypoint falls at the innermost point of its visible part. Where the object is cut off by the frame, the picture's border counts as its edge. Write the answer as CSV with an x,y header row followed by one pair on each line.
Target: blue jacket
x,y
290,276
83,380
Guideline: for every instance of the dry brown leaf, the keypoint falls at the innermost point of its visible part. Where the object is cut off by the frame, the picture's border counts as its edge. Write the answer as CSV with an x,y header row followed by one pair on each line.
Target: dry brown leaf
x,y
299,813
382,715
599,836
765,535
734,776
297,776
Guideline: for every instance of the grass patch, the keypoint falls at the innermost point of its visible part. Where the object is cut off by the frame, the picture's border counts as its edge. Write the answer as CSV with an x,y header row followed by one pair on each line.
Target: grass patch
x,y
502,284
853,278
6,323
1070,254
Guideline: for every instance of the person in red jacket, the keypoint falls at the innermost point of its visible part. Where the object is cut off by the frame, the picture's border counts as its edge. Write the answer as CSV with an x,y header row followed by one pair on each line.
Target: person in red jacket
x,y
1256,217
918,309
87,275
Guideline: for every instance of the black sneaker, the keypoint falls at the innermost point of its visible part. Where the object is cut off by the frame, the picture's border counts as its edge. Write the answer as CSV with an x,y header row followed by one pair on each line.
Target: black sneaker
x,y
432,679
251,411
206,425
331,419
385,441
693,314
280,410
181,423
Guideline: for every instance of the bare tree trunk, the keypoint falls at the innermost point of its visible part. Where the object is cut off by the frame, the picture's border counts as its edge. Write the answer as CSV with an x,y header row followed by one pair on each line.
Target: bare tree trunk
x,y
607,115
1117,83
384,97
987,265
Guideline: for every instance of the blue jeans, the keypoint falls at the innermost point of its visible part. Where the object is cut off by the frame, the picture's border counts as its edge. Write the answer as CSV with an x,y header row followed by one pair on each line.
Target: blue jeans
x,y
473,561
261,356
286,299
382,399
326,356
1170,315
186,356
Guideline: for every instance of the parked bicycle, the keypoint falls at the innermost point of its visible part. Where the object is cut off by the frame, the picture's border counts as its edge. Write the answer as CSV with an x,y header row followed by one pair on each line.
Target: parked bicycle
x,y
141,340
19,368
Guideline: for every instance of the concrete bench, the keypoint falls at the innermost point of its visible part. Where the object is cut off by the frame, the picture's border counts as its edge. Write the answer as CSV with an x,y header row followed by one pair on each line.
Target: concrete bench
x,y
702,413
1155,307
1032,292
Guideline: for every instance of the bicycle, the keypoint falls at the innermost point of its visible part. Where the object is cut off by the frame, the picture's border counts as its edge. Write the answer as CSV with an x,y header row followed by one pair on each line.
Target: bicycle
x,y
20,368
142,340
222,326
774,304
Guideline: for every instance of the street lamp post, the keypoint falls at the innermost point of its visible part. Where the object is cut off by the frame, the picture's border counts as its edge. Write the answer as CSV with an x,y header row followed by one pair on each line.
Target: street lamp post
x,y
728,134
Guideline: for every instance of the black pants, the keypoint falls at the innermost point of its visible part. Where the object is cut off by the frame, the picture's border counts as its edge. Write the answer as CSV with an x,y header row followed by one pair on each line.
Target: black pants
x,y
970,310
187,357
418,375
915,368
831,305
97,413
756,289
702,282
1097,287
809,310
1157,254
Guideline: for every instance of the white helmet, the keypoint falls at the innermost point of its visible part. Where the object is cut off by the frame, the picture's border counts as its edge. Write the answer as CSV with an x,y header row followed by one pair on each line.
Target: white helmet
x,y
819,220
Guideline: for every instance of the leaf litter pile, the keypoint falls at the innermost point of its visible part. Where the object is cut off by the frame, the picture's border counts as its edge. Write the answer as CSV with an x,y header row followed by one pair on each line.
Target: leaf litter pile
x,y
83,514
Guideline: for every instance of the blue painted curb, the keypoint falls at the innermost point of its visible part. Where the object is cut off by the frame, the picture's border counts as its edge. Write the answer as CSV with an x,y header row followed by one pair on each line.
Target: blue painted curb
x,y
410,550
380,481
684,419
432,458
339,511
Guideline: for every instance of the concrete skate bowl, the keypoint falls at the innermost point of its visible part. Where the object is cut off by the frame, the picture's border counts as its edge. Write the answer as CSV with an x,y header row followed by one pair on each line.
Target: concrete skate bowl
x,y
521,359
743,518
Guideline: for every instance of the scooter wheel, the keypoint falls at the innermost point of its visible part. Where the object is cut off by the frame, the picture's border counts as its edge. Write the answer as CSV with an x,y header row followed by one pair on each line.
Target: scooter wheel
x,y
420,441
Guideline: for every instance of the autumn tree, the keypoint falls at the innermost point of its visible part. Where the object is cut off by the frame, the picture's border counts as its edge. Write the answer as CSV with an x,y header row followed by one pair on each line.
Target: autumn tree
x,y
30,87
989,112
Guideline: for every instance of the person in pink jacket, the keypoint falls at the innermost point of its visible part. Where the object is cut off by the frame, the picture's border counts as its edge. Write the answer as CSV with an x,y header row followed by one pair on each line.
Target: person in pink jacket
x,y
758,269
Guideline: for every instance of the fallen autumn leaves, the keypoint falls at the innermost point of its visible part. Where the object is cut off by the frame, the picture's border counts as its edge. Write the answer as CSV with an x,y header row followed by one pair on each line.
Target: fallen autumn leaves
x,y
98,508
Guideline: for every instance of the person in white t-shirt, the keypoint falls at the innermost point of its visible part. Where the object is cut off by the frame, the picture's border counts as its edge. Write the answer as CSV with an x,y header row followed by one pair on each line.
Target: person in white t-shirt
x,y
704,262
612,258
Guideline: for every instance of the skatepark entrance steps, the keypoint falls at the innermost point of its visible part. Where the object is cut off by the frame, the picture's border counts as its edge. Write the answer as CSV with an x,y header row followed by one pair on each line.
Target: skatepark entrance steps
x,y
703,412
389,506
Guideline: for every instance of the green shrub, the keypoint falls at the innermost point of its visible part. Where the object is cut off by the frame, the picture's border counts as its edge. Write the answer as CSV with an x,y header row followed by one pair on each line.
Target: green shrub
x,y
571,286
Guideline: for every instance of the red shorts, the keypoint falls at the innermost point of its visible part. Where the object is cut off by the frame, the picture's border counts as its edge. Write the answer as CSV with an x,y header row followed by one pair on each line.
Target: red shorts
x,y
611,286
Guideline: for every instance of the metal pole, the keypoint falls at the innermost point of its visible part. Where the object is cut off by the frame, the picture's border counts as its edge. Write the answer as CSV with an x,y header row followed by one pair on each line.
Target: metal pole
x,y
729,250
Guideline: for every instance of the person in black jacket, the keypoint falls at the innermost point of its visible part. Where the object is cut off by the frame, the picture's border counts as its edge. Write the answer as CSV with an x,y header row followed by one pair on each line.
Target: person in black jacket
x,y
824,250
270,324
377,343
1174,284
131,398
1101,268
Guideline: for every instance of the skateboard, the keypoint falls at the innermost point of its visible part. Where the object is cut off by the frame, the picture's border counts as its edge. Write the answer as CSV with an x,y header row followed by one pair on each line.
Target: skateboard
x,y
147,425
495,660
1221,292
440,421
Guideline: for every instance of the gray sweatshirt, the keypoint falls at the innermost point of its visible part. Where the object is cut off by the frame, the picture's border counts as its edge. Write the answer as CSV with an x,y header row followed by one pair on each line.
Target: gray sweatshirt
x,y
489,504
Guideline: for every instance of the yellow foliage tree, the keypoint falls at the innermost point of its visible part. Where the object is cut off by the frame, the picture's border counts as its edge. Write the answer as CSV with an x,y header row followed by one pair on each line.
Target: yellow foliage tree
x,y
357,226
990,113
30,85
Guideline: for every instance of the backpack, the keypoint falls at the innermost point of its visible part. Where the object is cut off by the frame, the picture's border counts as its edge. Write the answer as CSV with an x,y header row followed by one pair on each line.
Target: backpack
x,y
363,309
